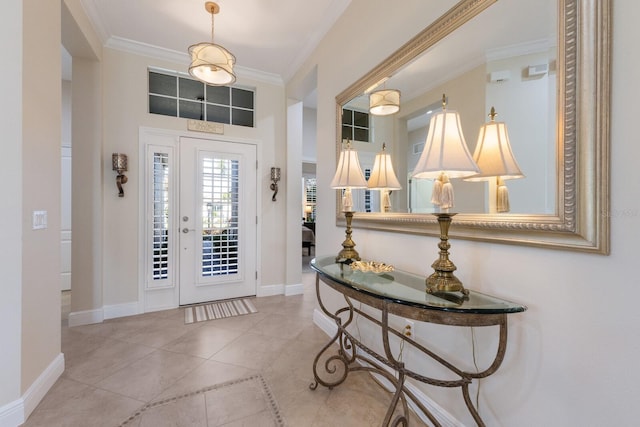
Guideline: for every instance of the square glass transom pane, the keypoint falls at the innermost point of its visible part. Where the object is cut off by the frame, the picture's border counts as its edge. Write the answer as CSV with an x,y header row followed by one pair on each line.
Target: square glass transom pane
x,y
218,95
220,213
242,117
191,89
242,98
162,84
218,114
192,110
162,105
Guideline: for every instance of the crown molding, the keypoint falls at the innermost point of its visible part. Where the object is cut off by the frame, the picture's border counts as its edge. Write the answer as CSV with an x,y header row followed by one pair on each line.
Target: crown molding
x,y
151,51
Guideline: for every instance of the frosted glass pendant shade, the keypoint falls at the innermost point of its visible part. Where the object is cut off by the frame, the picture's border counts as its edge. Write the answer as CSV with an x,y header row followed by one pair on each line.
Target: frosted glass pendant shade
x,y
212,64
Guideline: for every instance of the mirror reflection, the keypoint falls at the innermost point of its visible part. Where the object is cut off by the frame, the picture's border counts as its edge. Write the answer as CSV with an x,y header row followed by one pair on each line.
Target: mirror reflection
x,y
509,64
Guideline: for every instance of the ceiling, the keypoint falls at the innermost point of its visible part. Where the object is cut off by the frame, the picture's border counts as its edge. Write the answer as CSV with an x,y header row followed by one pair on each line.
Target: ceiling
x,y
269,36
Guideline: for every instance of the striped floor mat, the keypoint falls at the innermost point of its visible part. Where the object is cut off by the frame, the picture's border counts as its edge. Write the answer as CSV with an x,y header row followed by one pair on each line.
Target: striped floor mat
x,y
218,310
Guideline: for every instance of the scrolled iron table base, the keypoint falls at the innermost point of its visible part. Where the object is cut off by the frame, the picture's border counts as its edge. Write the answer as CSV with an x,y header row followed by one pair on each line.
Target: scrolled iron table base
x,y
335,369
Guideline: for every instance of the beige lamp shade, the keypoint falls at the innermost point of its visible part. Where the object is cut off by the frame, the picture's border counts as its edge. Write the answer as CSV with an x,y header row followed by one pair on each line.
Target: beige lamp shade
x,y
384,102
493,153
348,173
212,64
382,175
445,149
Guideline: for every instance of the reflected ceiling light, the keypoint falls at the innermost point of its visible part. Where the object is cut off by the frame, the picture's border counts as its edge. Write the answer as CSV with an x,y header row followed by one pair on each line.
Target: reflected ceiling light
x,y
211,63
384,102
495,159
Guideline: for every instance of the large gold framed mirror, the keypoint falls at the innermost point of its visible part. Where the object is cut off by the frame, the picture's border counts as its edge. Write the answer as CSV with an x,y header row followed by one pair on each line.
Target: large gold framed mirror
x,y
560,119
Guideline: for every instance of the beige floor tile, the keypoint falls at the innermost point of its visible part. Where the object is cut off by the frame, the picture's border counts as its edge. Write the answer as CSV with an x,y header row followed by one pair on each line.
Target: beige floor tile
x,y
204,341
262,419
254,351
149,376
208,374
106,360
189,411
238,323
235,402
93,408
280,326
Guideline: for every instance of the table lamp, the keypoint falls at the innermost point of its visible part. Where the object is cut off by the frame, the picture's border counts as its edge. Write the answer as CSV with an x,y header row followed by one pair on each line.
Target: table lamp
x,y
495,159
445,156
383,178
348,175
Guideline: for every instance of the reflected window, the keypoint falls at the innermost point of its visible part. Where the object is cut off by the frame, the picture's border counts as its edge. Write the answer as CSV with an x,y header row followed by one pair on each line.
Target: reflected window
x,y
355,125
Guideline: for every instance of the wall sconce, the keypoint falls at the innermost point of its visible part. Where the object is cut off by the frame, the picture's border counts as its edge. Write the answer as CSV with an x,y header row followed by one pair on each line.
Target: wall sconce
x,y
119,164
275,177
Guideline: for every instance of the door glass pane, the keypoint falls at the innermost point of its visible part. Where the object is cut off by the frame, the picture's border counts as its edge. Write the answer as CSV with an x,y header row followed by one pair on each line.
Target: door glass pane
x,y
220,190
160,261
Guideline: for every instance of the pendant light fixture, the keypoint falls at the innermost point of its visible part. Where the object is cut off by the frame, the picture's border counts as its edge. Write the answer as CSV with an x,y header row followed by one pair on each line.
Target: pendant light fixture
x,y
211,63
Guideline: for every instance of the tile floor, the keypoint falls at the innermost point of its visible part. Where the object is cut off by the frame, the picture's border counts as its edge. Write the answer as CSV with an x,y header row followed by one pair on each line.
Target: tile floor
x,y
116,367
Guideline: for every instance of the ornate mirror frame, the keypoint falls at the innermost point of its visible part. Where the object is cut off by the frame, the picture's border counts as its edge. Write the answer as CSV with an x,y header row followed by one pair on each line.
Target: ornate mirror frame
x,y
581,221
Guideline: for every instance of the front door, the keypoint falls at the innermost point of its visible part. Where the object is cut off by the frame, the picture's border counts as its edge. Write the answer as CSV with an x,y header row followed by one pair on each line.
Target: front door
x,y
217,220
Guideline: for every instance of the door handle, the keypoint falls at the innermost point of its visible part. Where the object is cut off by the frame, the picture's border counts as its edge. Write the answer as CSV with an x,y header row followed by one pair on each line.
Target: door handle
x,y
186,230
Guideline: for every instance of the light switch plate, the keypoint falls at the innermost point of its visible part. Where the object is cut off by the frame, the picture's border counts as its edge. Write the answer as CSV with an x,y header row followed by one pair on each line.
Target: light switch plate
x,y
39,220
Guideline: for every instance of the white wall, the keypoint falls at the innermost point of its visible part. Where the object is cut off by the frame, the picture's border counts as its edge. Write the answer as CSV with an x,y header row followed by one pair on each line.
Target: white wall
x,y
11,212
572,355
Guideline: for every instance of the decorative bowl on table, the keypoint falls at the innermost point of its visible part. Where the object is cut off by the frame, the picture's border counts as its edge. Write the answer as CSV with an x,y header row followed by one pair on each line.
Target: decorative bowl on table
x,y
372,267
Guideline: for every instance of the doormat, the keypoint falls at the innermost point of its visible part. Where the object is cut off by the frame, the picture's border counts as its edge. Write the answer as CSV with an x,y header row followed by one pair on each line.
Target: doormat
x,y
218,310
215,405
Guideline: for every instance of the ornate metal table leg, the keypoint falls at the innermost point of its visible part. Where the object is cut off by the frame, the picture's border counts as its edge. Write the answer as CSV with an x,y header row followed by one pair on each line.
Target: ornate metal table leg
x,y
502,348
332,363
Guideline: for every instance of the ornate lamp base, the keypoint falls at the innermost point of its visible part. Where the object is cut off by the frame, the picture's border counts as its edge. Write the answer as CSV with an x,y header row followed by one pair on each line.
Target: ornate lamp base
x,y
443,280
348,254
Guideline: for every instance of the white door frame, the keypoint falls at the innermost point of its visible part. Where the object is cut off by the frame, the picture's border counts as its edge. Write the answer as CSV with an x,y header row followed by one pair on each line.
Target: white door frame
x,y
150,299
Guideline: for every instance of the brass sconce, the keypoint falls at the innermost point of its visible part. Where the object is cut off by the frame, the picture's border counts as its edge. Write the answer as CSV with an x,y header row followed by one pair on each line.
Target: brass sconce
x,y
275,177
119,164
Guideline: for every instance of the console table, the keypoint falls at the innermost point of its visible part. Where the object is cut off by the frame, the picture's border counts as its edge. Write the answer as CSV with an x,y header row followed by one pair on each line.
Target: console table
x,y
402,294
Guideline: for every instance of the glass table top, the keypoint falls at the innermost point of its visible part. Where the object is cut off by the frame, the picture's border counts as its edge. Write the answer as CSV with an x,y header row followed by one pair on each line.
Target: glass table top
x,y
410,289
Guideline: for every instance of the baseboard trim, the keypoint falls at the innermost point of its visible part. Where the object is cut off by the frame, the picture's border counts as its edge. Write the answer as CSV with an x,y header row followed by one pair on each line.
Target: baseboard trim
x,y
15,413
12,414
296,289
270,290
329,327
86,317
35,393
121,310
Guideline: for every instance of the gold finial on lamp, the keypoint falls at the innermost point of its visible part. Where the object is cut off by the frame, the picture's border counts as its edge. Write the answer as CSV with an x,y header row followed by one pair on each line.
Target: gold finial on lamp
x,y
445,156
348,175
495,158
